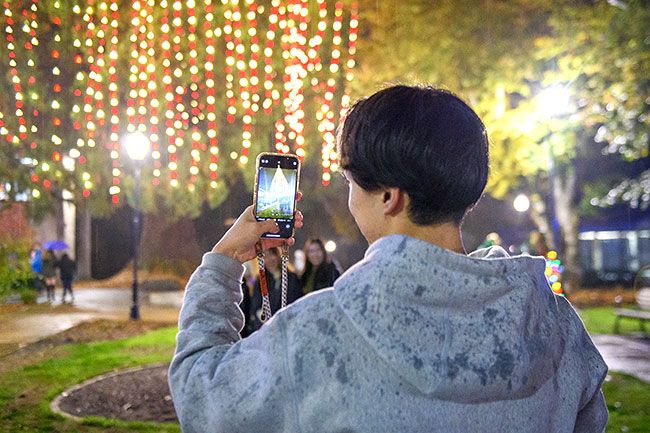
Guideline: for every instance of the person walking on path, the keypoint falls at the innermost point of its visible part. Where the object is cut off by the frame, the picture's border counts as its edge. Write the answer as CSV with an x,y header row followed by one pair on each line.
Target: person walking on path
x,y
67,268
319,272
419,336
36,263
48,270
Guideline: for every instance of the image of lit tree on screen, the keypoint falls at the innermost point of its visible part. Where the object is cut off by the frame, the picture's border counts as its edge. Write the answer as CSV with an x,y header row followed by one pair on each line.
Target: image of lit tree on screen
x,y
275,195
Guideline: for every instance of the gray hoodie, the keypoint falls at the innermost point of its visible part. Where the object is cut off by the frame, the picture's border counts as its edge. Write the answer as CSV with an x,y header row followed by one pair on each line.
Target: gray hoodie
x,y
413,338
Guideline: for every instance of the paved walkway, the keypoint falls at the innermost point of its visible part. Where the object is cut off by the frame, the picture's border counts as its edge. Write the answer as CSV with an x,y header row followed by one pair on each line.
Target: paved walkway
x,y
624,354
27,325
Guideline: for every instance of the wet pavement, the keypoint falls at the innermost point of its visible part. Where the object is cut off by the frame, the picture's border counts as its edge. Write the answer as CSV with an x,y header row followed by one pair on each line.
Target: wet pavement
x,y
22,326
26,325
625,354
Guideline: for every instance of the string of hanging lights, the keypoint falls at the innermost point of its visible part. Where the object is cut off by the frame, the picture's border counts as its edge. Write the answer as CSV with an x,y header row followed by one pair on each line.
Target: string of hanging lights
x,y
192,69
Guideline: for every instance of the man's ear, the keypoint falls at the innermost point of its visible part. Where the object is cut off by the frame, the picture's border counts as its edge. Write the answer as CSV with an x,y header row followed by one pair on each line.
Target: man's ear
x,y
394,201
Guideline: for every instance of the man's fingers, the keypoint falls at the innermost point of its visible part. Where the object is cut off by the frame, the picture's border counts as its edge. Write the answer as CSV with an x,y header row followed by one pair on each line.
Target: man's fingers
x,y
267,226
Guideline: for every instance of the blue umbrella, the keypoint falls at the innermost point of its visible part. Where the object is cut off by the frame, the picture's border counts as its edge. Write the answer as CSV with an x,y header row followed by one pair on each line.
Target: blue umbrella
x,y
56,245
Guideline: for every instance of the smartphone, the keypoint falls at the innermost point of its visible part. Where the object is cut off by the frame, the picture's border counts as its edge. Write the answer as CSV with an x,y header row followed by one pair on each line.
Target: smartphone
x,y
276,185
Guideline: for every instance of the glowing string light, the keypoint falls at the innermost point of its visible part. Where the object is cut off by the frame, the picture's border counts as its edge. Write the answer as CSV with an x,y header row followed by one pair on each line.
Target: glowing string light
x,y
93,74
181,117
114,103
17,84
248,81
56,87
152,87
269,45
210,34
32,89
553,272
195,134
229,68
170,131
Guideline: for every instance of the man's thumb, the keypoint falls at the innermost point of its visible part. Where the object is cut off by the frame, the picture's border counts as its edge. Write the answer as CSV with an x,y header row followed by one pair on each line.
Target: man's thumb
x,y
268,226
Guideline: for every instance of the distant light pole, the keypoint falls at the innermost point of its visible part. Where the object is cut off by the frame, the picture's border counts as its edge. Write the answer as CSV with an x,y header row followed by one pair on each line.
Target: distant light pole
x,y
137,147
521,203
554,101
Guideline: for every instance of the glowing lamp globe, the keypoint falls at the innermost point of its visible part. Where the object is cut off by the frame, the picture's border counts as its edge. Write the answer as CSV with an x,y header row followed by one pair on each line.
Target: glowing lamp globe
x,y
137,146
521,203
330,246
554,100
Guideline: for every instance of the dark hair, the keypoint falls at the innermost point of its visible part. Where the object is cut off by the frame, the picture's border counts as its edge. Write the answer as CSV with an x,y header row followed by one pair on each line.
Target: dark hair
x,y
425,141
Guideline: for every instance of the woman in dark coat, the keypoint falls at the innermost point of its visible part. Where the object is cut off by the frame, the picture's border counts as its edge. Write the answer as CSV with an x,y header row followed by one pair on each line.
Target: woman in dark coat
x,y
48,270
67,268
273,267
319,273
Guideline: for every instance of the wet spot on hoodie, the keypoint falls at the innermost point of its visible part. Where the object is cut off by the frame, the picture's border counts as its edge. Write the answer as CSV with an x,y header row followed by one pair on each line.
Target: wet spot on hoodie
x,y
329,356
401,246
325,326
298,365
489,313
505,362
341,374
459,362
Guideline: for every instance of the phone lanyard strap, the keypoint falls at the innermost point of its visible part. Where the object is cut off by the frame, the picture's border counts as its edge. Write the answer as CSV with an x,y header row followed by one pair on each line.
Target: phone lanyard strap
x,y
285,283
266,304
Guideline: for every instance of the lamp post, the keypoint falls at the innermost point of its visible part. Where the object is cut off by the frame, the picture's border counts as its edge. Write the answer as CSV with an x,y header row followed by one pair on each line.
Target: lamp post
x,y
554,102
137,147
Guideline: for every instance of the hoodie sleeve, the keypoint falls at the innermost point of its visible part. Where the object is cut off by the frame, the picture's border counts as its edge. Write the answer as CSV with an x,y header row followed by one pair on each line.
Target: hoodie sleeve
x,y
220,383
593,416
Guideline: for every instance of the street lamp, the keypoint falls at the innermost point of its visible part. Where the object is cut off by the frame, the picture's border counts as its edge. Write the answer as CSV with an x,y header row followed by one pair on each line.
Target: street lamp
x,y
521,203
554,102
330,246
137,147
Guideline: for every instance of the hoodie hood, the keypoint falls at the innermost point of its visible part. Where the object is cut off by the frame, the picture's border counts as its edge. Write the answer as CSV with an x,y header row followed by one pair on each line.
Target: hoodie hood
x,y
460,328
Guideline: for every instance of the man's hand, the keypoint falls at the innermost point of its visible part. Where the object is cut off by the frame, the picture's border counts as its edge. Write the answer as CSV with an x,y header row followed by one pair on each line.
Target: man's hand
x,y
239,241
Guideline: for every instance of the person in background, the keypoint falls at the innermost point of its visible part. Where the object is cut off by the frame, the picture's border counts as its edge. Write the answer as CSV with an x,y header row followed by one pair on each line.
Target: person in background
x,y
67,268
492,239
36,263
537,245
48,270
320,272
273,267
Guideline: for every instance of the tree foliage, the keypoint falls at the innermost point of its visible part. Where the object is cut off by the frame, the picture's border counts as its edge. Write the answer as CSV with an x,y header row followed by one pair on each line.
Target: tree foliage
x,y
502,56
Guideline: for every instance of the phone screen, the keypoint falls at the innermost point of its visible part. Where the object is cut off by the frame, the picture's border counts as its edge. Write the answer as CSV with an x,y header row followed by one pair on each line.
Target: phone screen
x,y
275,191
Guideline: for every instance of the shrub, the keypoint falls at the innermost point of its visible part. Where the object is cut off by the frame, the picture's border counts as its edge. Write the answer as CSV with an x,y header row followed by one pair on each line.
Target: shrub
x,y
16,276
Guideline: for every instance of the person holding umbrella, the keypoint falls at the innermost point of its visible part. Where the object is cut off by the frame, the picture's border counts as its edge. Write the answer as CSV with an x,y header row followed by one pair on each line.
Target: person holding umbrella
x,y
48,270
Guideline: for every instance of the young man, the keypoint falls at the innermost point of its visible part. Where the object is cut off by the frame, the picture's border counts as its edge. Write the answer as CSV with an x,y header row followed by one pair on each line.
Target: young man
x,y
416,337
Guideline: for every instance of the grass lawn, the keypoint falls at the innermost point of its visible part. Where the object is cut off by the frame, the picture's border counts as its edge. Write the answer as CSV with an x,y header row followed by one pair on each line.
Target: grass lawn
x,y
600,320
27,390
628,401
